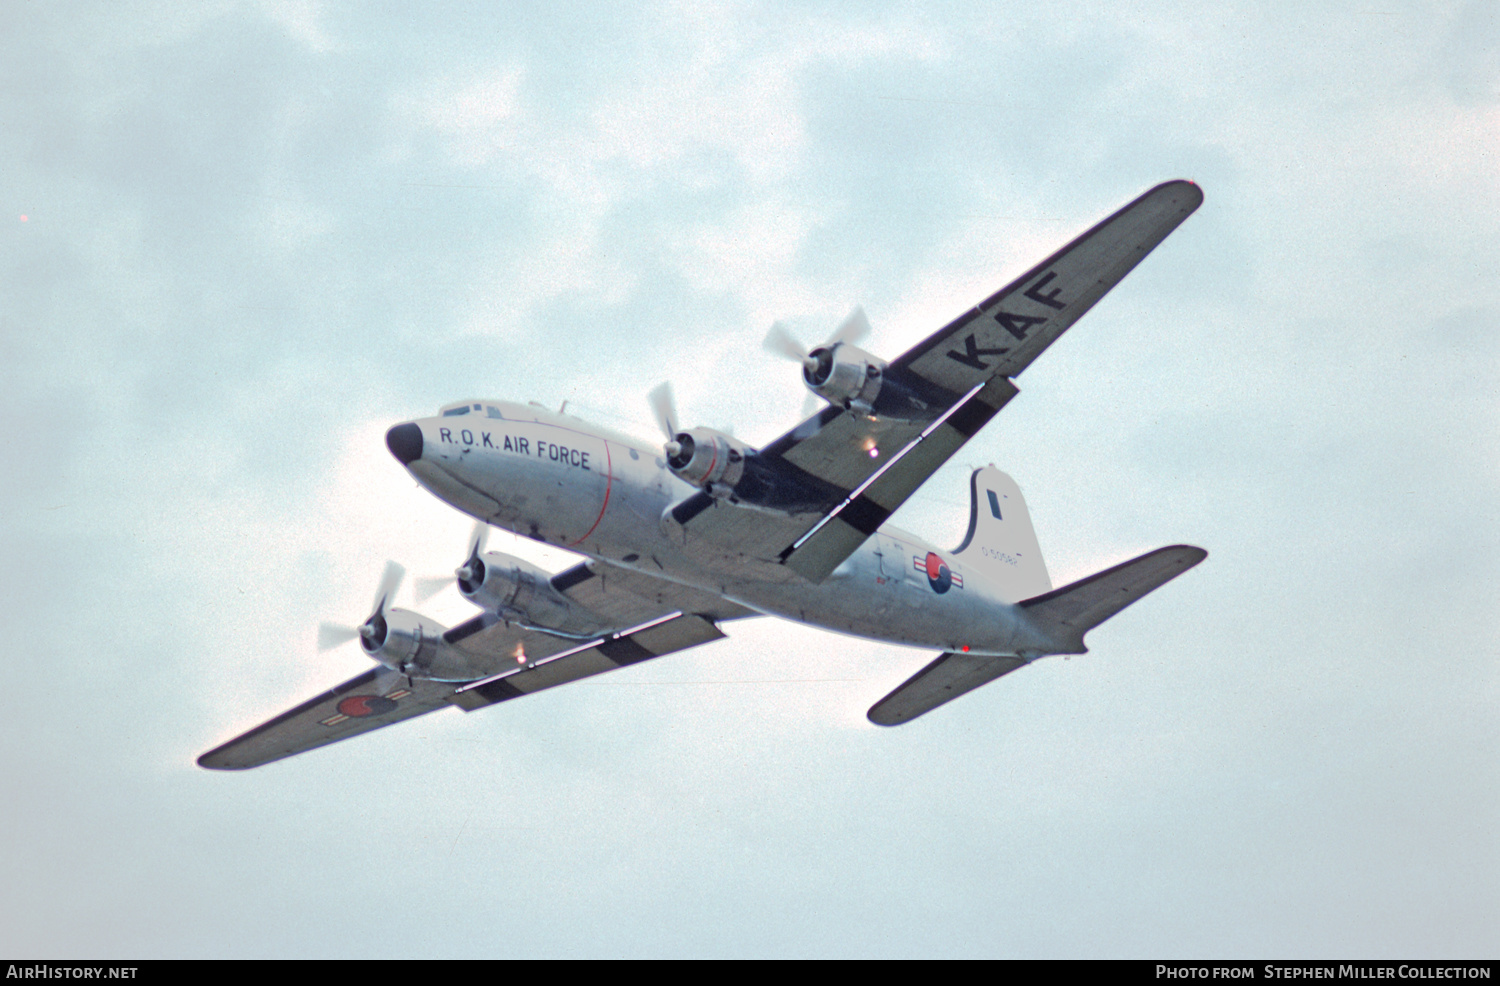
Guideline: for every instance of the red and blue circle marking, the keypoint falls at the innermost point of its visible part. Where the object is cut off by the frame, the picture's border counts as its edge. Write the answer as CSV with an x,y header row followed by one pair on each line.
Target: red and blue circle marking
x,y
359,706
939,575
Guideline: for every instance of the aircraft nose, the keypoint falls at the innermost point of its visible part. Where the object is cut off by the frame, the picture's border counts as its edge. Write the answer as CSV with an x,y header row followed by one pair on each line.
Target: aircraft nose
x,y
405,443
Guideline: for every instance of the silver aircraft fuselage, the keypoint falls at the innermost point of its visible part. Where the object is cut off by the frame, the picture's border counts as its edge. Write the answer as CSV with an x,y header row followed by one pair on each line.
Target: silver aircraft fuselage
x,y
551,478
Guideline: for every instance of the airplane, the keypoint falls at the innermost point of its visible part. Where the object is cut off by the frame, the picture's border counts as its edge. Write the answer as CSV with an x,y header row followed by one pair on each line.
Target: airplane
x,y
679,539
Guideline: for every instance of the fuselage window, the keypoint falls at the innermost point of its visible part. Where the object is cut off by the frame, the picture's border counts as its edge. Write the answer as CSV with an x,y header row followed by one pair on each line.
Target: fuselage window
x,y
454,412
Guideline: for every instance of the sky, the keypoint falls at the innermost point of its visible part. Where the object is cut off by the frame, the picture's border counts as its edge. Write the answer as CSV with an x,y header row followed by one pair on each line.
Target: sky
x,y
238,241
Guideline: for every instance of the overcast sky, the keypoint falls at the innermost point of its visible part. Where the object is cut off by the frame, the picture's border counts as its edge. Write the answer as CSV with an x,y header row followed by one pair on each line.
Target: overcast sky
x,y
240,240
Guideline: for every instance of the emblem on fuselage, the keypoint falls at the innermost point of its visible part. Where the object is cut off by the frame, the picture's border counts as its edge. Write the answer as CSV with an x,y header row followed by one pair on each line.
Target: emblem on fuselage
x,y
939,575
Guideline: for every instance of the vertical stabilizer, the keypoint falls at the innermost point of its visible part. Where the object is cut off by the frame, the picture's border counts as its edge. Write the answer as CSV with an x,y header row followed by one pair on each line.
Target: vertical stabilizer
x,y
1001,544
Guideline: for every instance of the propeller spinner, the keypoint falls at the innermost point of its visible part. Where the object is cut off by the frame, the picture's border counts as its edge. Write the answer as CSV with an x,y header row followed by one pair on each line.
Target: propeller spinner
x,y
815,362
664,406
818,363
372,632
469,575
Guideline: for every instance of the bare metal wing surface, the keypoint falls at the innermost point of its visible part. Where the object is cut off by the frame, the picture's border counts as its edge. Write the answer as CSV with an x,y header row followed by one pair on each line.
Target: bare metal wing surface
x,y
379,697
665,637
843,474
657,617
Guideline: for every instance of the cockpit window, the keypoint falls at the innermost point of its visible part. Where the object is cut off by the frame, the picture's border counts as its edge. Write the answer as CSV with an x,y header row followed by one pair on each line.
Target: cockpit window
x,y
458,409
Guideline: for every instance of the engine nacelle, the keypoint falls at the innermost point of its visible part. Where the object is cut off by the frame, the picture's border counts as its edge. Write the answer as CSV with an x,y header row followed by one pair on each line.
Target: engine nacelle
x,y
413,645
517,590
845,376
710,460
398,638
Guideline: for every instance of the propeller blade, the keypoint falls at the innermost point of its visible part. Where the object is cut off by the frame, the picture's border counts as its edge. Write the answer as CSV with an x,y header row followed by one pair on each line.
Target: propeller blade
x,y
427,586
665,408
389,582
852,329
331,635
479,538
781,342
430,585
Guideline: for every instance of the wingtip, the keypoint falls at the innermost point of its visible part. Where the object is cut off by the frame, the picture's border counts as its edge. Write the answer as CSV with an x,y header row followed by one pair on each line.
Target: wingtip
x,y
219,759
1192,551
1186,185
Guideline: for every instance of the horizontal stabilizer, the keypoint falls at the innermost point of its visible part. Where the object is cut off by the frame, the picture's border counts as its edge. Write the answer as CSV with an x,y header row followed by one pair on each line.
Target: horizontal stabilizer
x,y
943,680
1065,615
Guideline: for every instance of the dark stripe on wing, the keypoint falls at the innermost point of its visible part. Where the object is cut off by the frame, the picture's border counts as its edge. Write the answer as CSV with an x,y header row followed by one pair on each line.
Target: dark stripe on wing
x,y
563,581
624,651
499,691
470,627
864,515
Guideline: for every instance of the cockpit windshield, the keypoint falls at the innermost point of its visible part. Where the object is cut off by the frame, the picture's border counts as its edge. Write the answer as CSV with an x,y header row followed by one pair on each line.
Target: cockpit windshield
x,y
470,407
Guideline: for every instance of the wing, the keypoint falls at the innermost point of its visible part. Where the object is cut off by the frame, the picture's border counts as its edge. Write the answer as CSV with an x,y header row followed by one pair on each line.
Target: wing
x,y
1010,328
379,697
621,650
664,617
846,473
657,617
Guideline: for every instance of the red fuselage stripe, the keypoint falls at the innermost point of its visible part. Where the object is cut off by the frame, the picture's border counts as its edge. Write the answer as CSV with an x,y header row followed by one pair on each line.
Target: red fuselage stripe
x,y
609,482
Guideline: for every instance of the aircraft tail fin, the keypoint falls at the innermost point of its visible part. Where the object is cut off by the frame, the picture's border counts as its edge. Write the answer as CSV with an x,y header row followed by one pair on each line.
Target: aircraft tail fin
x,y
1065,615
1001,544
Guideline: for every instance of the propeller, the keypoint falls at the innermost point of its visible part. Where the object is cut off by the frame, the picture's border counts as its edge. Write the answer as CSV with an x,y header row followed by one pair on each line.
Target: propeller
x,y
470,574
781,342
331,635
665,408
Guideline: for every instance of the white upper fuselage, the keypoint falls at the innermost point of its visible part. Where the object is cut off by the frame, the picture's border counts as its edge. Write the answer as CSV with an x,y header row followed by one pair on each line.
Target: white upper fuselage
x,y
552,478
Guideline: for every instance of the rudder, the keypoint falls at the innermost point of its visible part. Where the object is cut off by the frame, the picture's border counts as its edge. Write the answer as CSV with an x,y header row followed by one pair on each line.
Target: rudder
x,y
1001,544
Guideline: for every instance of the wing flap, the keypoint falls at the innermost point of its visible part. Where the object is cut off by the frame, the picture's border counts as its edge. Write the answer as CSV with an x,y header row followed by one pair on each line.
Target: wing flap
x,y
827,456
379,697
494,639
945,679
818,555
621,650
1068,613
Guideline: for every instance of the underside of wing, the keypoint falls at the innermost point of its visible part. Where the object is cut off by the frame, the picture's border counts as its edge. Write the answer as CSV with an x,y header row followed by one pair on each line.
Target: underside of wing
x,y
836,477
621,650
815,556
379,697
651,617
1008,330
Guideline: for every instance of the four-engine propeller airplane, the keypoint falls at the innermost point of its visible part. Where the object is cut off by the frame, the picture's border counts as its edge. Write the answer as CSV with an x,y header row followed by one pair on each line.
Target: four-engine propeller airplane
x,y
681,539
